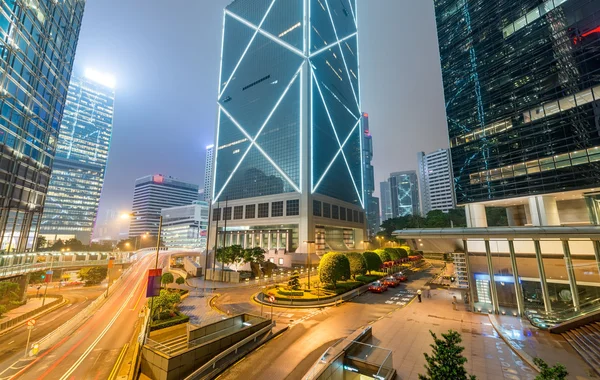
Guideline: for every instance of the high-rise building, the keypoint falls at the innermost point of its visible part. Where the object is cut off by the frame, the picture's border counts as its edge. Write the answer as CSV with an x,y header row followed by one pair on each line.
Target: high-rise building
x,y
185,226
404,191
288,157
35,69
153,193
80,161
208,172
385,193
520,82
371,202
435,178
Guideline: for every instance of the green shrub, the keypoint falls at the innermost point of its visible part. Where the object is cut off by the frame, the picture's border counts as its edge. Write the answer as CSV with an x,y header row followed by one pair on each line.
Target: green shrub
x,y
373,261
383,255
403,253
292,293
393,253
367,279
176,320
358,265
334,267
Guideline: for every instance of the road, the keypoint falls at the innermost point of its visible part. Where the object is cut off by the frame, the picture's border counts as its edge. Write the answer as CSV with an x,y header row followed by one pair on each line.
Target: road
x,y
91,351
291,355
12,344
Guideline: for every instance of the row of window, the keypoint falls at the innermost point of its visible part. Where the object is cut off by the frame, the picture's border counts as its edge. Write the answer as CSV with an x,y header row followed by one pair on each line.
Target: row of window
x,y
327,210
531,16
292,208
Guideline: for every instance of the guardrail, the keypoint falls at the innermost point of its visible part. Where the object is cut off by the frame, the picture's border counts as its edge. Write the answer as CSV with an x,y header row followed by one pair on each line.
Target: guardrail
x,y
29,268
15,321
212,364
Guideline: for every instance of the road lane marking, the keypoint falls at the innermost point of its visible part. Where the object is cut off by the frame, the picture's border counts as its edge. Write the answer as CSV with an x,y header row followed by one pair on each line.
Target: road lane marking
x,y
51,368
11,342
115,370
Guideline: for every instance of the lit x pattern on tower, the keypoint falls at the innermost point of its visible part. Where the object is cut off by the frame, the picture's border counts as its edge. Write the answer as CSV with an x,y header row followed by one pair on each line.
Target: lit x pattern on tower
x,y
288,65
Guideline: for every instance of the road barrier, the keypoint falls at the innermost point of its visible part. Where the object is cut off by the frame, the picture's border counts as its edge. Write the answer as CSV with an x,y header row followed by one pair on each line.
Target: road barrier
x,y
23,317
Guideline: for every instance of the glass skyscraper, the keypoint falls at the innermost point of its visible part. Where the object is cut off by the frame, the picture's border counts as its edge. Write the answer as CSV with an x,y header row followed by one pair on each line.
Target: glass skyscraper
x,y
521,87
38,40
371,202
404,193
81,157
289,127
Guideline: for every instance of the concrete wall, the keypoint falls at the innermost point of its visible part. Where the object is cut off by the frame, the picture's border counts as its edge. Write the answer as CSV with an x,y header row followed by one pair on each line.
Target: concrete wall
x,y
225,276
573,212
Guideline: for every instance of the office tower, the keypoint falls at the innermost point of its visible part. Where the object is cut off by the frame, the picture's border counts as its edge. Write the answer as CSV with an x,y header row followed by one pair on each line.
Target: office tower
x,y
185,226
208,172
404,193
35,74
386,201
153,193
435,178
371,202
80,160
288,156
520,82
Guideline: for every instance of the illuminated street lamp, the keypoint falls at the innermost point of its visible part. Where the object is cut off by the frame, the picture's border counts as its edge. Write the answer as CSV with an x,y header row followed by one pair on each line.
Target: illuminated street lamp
x,y
308,262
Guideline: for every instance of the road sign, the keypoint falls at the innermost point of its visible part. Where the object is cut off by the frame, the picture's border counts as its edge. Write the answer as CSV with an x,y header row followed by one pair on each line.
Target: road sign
x,y
49,272
31,322
272,299
111,262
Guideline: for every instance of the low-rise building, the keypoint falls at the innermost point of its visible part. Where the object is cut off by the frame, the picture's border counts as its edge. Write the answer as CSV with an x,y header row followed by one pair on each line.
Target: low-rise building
x,y
185,226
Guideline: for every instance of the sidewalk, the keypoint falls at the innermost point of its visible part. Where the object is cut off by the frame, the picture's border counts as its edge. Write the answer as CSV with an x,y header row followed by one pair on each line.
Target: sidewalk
x,y
32,304
406,333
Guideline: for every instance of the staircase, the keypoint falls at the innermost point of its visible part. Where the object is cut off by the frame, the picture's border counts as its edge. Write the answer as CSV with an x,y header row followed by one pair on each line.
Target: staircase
x,y
586,341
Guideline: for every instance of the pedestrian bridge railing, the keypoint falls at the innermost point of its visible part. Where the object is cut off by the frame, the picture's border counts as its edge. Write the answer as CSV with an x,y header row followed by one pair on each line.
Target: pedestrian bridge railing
x,y
15,270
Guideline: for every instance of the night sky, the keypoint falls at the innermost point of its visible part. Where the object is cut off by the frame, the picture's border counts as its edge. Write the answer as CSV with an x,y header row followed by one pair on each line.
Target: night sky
x,y
166,62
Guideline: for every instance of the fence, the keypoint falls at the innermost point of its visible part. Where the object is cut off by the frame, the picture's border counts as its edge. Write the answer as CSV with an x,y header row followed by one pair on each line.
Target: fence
x,y
15,321
29,268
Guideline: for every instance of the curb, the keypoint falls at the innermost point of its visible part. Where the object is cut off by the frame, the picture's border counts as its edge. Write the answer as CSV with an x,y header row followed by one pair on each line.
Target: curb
x,y
281,306
213,306
40,314
520,353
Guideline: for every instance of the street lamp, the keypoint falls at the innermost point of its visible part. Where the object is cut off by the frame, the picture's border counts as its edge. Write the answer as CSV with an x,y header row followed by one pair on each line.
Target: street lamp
x,y
308,261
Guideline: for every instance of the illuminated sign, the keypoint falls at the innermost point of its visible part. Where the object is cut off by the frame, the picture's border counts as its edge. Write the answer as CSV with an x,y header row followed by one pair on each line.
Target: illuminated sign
x,y
158,179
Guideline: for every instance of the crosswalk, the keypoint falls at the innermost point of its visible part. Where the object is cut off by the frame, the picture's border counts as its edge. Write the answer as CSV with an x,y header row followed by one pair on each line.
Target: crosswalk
x,y
401,297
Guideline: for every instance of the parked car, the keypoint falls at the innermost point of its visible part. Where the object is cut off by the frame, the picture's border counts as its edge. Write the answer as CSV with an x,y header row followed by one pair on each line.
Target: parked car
x,y
391,282
400,277
377,287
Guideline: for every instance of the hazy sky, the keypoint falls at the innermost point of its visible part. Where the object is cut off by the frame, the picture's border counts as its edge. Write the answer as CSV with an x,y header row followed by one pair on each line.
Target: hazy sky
x,y
166,61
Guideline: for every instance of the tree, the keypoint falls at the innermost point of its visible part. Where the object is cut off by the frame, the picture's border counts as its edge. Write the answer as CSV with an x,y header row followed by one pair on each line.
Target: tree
x,y
36,277
334,267
166,301
383,255
74,244
180,281
392,253
457,217
446,360
268,267
58,245
496,216
92,275
358,266
294,282
231,255
167,278
437,219
9,293
254,255
41,242
372,261
558,372
402,252
3,309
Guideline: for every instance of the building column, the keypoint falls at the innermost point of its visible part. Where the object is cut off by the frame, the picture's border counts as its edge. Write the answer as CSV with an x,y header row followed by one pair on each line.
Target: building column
x,y
515,216
270,241
493,290
475,214
469,277
515,270
571,274
543,210
278,239
542,273
260,239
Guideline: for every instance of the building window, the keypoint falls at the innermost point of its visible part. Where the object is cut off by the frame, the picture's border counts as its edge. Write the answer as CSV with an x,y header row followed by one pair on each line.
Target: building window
x,y
335,212
216,214
238,212
263,210
280,261
355,214
250,211
316,208
292,208
326,210
277,209
227,213
272,260
362,217
342,213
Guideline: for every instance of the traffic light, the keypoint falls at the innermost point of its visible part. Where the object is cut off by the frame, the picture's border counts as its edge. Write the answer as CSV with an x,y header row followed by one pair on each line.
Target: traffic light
x,y
43,276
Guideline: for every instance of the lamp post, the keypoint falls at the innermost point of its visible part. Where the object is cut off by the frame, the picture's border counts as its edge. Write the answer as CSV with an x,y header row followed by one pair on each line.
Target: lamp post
x,y
308,261
48,279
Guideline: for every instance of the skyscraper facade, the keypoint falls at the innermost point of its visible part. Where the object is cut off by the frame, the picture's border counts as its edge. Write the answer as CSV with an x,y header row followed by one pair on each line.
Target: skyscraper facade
x,y
37,48
80,162
521,90
153,193
386,201
289,137
371,202
185,226
435,179
208,172
404,192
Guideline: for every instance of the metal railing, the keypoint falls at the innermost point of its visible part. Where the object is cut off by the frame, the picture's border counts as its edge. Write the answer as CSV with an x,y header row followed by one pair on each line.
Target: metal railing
x,y
23,317
29,268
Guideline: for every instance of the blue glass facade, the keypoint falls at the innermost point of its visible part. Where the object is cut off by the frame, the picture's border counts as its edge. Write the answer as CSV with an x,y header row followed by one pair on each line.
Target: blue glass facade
x,y
80,162
289,65
38,39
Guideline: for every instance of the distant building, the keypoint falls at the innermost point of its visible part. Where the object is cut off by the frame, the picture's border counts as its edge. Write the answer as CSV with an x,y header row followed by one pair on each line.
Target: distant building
x,y
371,202
386,201
208,173
153,193
185,226
404,190
80,161
435,178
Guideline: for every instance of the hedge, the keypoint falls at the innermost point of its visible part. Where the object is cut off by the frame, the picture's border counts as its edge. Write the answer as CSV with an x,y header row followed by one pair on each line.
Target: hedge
x,y
293,293
179,319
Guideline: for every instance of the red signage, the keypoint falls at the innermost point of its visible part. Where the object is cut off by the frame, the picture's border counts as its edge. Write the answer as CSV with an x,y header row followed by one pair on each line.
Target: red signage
x,y
153,287
31,322
158,178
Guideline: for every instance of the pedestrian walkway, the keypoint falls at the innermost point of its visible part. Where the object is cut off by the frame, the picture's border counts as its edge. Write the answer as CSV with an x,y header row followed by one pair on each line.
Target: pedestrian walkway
x,y
406,333
32,304
197,308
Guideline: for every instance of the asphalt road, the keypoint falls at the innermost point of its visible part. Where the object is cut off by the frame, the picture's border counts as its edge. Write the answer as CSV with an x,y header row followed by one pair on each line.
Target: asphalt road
x,y
91,351
291,355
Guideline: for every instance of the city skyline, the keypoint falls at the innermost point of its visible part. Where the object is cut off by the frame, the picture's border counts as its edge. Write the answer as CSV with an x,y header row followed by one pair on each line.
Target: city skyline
x,y
395,116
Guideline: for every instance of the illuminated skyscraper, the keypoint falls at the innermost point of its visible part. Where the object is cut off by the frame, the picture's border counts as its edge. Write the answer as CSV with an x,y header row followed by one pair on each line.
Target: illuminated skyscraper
x,y
404,191
81,157
435,178
208,172
371,202
288,156
38,40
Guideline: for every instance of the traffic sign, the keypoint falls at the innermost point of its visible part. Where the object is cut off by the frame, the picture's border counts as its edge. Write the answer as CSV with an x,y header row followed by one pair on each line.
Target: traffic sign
x,y
272,299
31,322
